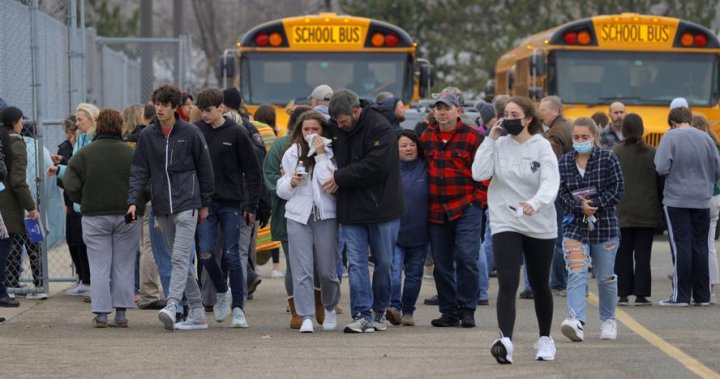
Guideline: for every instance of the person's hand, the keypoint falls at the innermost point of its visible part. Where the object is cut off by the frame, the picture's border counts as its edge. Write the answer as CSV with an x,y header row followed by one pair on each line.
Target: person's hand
x,y
53,170
282,170
249,218
203,215
528,210
319,145
330,186
132,210
34,214
588,210
497,130
56,158
296,180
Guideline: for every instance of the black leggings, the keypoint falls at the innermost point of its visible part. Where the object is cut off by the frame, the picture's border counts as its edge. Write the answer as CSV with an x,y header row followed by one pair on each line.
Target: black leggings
x,y
509,248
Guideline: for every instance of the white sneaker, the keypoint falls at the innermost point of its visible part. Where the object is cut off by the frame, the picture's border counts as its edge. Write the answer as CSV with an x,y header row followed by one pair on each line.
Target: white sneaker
x,y
502,350
195,320
79,290
330,320
222,305
36,296
11,295
277,274
167,316
307,326
238,318
545,349
608,330
573,329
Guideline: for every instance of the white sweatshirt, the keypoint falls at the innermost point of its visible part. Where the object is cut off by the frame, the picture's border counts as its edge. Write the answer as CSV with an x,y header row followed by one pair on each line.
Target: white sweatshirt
x,y
308,194
520,172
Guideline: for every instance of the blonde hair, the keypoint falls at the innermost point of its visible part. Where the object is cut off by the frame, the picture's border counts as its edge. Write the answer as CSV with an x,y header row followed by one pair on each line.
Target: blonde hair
x,y
132,116
592,126
91,112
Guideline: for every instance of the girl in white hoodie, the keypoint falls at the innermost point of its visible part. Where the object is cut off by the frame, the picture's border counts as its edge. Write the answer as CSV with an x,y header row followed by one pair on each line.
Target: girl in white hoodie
x,y
311,222
525,182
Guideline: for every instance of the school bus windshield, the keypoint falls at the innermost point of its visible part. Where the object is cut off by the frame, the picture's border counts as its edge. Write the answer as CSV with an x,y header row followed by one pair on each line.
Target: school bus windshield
x,y
638,78
279,76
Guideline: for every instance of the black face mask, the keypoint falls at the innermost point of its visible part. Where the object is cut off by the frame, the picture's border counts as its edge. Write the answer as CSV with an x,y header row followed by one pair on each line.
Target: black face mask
x,y
513,126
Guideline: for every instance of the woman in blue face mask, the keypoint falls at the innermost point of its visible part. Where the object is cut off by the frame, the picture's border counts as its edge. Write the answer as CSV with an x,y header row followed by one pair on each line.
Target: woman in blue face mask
x,y
591,185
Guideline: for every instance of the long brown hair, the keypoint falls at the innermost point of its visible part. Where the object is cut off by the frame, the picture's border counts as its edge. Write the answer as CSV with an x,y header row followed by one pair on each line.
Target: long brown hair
x,y
528,108
109,122
700,122
297,137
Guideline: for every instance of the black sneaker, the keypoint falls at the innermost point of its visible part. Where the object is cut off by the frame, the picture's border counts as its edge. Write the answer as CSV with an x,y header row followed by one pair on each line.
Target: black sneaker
x,y
527,294
467,318
484,302
432,300
445,321
623,301
642,301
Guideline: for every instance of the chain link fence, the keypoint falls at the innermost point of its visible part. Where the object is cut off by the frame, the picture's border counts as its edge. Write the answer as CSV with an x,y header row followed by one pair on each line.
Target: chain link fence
x,y
51,63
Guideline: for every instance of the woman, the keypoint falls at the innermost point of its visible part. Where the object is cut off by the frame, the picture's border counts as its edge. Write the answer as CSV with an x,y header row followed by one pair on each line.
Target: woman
x,y
591,185
412,243
311,223
525,180
639,213
97,177
700,122
133,119
15,198
85,116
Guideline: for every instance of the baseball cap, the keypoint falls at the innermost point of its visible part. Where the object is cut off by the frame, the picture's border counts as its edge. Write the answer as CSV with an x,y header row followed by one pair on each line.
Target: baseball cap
x,y
448,99
321,92
679,102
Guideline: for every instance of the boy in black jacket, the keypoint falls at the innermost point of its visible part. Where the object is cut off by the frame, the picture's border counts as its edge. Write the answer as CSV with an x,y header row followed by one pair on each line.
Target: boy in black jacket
x,y
234,203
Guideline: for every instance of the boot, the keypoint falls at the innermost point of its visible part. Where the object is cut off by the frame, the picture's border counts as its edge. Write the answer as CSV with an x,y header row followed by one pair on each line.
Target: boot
x,y
295,320
319,308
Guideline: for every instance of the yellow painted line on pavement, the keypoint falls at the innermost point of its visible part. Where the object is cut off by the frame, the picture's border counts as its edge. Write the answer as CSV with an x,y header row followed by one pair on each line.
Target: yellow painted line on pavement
x,y
689,362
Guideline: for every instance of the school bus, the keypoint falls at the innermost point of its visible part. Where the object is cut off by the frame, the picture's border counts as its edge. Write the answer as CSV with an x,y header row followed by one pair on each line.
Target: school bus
x,y
286,58
642,61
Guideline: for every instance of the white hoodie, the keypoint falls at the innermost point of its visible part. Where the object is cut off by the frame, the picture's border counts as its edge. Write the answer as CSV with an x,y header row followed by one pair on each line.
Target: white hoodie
x,y
520,172
308,194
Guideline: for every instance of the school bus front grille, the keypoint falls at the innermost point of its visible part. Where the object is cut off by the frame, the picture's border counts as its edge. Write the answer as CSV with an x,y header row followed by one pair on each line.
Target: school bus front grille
x,y
653,139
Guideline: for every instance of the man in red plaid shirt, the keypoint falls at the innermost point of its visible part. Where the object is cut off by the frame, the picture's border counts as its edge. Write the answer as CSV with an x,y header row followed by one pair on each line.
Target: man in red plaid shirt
x,y
456,203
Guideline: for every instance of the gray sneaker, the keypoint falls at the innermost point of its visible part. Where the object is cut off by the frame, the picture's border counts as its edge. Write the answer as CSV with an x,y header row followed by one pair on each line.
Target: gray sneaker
x,y
379,322
222,305
167,316
359,325
195,320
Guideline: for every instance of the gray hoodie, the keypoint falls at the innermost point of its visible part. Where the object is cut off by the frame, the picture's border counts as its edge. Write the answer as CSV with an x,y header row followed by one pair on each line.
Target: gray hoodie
x,y
689,160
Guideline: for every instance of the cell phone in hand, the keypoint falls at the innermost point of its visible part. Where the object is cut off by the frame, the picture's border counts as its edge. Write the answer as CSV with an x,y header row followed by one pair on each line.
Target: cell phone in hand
x,y
130,218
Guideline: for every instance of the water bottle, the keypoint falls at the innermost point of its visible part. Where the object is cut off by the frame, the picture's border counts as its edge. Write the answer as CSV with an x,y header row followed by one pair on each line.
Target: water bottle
x,y
300,169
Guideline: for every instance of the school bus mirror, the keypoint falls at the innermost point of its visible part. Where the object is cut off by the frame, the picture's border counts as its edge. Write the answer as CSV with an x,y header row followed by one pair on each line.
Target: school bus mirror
x,y
537,65
536,93
490,88
225,66
426,78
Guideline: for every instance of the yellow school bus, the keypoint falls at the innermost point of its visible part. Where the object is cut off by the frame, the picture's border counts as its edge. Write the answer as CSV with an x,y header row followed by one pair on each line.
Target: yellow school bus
x,y
286,58
640,60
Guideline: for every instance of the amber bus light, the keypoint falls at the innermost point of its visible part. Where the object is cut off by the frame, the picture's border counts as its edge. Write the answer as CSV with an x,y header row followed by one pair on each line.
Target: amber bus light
x,y
276,39
378,39
584,37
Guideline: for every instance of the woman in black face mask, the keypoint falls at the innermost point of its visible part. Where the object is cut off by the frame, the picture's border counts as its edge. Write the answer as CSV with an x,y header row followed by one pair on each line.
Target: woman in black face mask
x,y
521,196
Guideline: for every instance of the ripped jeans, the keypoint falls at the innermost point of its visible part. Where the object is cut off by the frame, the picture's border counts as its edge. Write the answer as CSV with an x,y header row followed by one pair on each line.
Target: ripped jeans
x,y
578,257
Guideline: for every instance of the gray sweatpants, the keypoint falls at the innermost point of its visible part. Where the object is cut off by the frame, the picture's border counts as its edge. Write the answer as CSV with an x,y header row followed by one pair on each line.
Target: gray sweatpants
x,y
179,232
317,241
112,249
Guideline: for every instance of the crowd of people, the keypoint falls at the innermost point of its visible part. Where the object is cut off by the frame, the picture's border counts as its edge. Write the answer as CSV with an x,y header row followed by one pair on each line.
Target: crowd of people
x,y
164,202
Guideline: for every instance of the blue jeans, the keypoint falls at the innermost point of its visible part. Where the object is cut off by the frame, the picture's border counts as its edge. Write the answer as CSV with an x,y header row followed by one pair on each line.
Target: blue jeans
x,y
486,260
5,246
455,248
228,220
380,238
558,273
577,257
412,259
161,253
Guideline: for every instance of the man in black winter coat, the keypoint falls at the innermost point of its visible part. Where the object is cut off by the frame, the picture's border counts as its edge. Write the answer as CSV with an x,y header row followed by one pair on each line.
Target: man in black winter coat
x,y
369,203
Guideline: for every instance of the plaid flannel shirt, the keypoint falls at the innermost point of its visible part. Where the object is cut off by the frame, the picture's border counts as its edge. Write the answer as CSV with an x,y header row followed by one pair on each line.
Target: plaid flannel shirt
x,y
604,174
452,187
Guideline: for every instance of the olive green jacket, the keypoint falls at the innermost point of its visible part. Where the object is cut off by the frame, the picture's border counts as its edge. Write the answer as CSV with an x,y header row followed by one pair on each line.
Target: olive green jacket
x,y
15,199
271,174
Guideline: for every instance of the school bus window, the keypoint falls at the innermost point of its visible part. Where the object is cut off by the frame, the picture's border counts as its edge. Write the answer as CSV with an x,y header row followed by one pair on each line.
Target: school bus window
x,y
646,78
277,72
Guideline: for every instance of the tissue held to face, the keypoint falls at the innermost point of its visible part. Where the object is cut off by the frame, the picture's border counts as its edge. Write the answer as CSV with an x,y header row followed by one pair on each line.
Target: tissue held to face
x,y
313,127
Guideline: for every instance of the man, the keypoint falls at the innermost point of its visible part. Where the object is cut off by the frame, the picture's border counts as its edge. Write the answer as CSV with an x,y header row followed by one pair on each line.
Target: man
x,y
612,134
174,154
233,205
369,203
559,133
461,100
320,98
456,208
689,160
392,108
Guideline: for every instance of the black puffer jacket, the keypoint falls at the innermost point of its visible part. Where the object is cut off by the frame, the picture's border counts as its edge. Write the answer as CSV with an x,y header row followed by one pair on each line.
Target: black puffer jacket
x,y
368,170
178,167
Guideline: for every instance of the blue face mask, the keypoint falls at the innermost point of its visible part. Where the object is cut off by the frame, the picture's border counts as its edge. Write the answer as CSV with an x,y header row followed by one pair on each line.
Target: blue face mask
x,y
583,147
